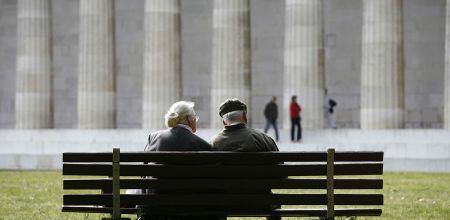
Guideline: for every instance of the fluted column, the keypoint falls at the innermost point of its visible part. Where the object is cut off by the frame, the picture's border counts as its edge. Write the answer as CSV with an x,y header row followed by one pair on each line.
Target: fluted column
x,y
304,61
447,71
162,61
96,75
34,65
382,73
231,55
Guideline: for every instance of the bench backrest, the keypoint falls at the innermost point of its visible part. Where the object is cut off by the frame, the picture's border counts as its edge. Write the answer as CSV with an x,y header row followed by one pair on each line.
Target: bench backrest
x,y
219,172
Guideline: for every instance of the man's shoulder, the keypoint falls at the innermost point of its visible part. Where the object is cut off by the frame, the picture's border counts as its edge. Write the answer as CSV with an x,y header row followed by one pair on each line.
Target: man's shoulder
x,y
261,137
246,139
216,138
254,131
244,132
219,141
256,134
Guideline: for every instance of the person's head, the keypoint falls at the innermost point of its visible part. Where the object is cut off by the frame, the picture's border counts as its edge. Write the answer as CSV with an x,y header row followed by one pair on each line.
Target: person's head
x,y
294,98
182,112
274,99
233,111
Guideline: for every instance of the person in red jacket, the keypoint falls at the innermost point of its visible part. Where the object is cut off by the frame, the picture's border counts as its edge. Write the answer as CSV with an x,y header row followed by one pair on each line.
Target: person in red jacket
x,y
295,110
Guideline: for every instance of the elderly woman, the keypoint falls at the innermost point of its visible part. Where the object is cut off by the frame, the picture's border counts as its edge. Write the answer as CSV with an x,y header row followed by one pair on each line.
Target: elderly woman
x,y
182,123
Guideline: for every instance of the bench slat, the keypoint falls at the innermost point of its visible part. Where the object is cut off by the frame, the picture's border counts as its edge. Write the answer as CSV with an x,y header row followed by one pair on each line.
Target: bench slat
x,y
277,212
244,184
285,212
96,209
211,171
225,199
224,157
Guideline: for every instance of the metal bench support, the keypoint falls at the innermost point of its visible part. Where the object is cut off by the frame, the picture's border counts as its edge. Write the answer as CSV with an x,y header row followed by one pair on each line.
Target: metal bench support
x,y
330,184
116,184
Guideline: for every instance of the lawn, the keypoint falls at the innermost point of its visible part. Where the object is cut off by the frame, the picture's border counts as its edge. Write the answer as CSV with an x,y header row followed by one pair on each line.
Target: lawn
x,y
38,195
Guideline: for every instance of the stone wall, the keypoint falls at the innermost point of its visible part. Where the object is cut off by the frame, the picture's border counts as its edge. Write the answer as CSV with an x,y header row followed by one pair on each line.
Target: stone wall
x,y
424,26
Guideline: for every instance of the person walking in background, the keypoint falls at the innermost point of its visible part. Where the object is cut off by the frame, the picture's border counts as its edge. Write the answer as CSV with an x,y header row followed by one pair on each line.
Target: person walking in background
x,y
271,114
295,110
329,105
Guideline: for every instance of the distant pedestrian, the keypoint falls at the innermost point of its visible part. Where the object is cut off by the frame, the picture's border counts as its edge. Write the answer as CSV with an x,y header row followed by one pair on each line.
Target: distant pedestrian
x,y
295,110
329,108
271,114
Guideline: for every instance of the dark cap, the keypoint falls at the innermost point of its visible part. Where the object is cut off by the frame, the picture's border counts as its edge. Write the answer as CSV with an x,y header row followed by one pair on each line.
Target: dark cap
x,y
231,105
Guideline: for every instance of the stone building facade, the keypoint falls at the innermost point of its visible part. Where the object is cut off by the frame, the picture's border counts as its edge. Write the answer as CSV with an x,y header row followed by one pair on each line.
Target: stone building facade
x,y
263,34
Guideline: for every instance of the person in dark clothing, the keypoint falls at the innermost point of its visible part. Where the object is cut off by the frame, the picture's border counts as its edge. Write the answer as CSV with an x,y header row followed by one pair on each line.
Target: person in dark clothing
x,y
237,137
181,121
271,114
295,110
178,138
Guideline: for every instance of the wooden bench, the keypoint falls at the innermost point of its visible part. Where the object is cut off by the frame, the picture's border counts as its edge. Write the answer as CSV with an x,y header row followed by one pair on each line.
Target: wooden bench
x,y
312,175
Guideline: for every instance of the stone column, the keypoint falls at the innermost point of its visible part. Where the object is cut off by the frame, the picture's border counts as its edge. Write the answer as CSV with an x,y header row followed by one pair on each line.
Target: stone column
x,y
447,71
382,73
96,74
34,65
162,61
304,61
231,55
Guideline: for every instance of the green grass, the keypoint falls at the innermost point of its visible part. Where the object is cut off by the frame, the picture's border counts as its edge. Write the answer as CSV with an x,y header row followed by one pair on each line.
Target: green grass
x,y
38,195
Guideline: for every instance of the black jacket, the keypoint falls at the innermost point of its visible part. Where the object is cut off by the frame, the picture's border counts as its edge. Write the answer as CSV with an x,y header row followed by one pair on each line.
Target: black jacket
x,y
271,111
242,139
176,139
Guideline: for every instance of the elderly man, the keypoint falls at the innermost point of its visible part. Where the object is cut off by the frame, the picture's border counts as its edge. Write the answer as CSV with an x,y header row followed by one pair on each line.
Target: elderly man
x,y
236,136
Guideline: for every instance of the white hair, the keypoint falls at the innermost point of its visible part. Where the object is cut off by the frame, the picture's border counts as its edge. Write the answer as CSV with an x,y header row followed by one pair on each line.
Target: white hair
x,y
179,112
233,117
